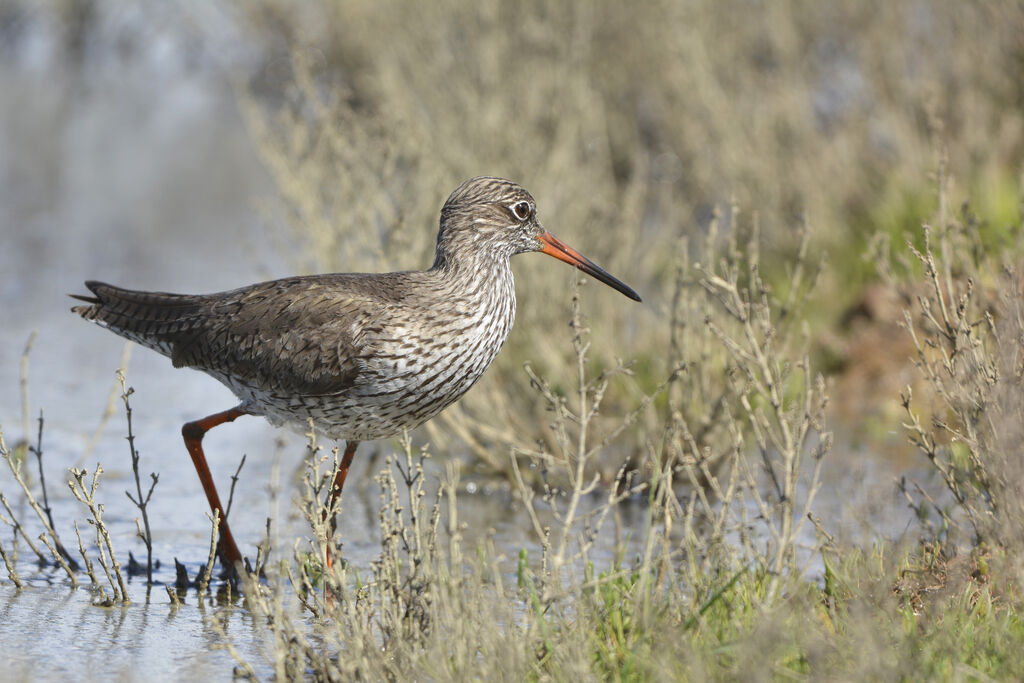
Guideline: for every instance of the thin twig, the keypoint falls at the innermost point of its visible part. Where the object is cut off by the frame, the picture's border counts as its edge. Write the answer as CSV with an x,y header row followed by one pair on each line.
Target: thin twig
x,y
234,482
85,557
16,525
104,544
31,499
204,577
59,559
140,500
11,572
38,450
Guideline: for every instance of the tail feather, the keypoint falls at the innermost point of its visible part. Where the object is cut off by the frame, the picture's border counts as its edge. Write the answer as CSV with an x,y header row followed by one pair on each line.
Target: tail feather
x,y
153,319
86,299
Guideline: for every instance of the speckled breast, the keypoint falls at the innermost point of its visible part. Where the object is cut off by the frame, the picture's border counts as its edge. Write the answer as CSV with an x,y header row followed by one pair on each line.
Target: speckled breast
x,y
412,369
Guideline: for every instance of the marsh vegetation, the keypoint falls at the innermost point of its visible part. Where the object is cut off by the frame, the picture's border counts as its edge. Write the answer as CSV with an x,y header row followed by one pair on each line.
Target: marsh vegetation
x,y
821,205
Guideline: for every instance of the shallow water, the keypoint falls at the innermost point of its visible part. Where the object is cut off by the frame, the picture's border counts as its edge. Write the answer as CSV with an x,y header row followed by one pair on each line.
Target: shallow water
x,y
52,633
132,165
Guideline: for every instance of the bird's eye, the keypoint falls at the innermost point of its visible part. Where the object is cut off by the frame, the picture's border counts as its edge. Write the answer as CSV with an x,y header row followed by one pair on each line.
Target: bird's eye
x,y
521,210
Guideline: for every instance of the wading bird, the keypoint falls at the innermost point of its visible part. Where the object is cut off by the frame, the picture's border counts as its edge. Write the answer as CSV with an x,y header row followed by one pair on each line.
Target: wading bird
x,y
364,355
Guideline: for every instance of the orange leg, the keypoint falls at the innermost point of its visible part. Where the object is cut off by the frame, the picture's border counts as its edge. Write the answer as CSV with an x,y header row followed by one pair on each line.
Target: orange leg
x,y
193,432
339,483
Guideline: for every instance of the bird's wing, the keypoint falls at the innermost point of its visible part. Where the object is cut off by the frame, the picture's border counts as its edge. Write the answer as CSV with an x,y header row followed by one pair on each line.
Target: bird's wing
x,y
299,336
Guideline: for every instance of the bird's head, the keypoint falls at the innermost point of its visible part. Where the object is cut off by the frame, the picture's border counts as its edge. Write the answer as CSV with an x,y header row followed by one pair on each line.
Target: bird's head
x,y
497,217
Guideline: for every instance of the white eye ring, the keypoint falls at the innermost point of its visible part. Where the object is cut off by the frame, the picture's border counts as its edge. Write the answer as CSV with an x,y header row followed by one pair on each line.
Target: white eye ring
x,y
521,210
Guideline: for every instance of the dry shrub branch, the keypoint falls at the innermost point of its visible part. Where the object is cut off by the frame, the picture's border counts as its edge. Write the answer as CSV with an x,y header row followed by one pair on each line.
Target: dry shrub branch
x,y
967,327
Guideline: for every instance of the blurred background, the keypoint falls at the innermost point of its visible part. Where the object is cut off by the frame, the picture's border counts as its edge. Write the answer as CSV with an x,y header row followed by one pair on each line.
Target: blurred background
x,y
198,146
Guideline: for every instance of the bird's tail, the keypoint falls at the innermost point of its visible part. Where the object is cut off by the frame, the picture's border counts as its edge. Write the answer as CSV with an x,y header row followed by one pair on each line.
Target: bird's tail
x,y
152,319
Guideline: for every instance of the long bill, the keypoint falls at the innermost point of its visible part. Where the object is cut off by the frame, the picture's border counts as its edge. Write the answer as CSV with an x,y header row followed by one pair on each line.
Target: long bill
x,y
563,252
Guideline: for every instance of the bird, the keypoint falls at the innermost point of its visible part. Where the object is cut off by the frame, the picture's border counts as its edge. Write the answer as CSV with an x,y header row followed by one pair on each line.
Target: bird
x,y
363,355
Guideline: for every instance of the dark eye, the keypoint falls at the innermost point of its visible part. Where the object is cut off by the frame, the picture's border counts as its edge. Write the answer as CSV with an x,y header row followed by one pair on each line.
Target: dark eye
x,y
521,210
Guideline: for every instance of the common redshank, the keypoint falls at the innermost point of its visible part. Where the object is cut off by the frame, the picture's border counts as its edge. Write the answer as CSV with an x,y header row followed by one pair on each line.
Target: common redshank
x,y
364,355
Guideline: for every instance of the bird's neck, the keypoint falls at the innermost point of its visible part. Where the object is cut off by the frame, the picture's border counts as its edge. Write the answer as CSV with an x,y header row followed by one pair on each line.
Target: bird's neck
x,y
473,267
482,279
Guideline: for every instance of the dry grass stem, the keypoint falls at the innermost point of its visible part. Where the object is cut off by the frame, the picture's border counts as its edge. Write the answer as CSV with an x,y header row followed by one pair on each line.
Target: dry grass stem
x,y
16,469
85,557
9,565
12,519
203,580
58,558
104,545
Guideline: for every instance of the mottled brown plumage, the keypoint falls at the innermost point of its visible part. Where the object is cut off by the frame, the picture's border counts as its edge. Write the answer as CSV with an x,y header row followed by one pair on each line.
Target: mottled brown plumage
x,y
363,355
